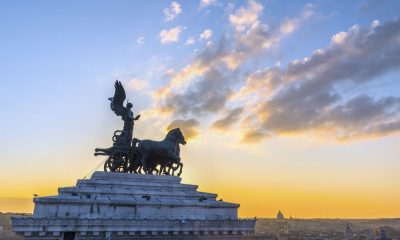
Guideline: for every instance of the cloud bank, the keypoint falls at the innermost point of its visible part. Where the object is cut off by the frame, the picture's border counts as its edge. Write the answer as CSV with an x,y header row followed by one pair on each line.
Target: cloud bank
x,y
309,95
305,95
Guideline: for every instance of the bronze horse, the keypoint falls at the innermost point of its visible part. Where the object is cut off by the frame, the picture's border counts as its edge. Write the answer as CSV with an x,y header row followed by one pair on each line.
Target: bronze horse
x,y
150,154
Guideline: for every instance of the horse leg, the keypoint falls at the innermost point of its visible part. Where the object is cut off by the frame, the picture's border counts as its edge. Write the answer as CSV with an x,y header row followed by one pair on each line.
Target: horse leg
x,y
164,168
161,169
135,167
173,169
155,169
180,169
163,165
169,169
143,162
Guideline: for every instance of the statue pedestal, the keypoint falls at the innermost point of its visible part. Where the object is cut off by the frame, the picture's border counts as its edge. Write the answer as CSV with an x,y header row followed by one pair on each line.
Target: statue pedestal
x,y
126,206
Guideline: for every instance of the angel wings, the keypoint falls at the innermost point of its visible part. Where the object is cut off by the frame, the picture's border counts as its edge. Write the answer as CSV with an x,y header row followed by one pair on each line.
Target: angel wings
x,y
117,102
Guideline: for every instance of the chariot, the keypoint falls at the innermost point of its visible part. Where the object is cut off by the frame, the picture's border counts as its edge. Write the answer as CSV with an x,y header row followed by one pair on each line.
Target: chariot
x,y
131,155
147,156
121,157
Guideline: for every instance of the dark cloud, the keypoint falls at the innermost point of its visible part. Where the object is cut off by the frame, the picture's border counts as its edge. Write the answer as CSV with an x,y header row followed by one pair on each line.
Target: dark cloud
x,y
187,126
363,110
306,95
262,82
311,97
297,108
211,56
364,116
228,120
254,135
207,95
386,128
210,90
358,55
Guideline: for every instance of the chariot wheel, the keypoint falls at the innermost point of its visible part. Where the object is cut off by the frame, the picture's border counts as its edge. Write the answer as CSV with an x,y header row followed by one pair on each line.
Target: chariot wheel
x,y
117,162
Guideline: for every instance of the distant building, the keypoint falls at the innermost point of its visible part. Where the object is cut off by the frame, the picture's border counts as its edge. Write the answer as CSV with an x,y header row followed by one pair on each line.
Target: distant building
x,y
370,235
348,233
280,216
383,235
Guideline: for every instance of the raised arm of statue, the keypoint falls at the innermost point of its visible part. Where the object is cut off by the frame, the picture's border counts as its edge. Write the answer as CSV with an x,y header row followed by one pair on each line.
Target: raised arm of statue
x,y
137,117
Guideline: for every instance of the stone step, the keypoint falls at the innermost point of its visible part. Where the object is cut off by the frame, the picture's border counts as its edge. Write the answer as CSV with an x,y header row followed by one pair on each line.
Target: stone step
x,y
119,196
128,184
133,201
131,177
135,192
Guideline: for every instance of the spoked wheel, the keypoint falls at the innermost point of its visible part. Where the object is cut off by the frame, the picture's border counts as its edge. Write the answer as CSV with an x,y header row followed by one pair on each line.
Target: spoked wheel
x,y
117,162
134,165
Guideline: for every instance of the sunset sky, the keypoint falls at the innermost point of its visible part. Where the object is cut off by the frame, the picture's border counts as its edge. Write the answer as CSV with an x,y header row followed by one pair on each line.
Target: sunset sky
x,y
286,105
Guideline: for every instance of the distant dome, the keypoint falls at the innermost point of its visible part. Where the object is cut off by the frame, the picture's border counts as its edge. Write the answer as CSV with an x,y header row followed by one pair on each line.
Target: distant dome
x,y
280,216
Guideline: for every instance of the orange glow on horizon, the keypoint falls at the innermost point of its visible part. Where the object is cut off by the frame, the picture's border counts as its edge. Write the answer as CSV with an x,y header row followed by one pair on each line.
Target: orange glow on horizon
x,y
310,181
265,204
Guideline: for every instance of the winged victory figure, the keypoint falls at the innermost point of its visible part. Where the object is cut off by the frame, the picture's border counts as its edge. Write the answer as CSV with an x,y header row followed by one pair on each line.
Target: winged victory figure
x,y
117,105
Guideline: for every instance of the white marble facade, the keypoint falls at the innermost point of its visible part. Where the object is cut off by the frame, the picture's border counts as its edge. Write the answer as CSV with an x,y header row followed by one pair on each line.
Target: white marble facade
x,y
130,206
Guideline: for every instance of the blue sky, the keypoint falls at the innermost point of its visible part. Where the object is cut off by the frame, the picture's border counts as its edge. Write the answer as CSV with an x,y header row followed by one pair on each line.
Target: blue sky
x,y
279,83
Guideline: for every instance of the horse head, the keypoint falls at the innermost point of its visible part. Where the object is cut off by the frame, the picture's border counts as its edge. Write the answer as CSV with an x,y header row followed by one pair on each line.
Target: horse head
x,y
176,135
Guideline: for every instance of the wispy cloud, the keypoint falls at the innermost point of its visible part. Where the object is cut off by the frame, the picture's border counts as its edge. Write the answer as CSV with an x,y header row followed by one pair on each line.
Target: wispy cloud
x,y
245,17
230,118
137,84
140,40
206,3
170,35
190,41
290,24
172,11
206,34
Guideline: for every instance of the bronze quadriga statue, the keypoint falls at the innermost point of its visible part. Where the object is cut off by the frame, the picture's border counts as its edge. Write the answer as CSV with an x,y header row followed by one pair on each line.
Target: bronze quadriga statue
x,y
132,155
144,207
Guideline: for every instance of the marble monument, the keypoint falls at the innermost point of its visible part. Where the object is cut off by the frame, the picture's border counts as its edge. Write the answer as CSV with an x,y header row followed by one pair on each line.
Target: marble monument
x,y
138,196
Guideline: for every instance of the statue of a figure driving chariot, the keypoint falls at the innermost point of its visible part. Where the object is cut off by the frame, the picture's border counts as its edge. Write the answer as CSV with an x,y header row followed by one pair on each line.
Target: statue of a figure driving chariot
x,y
132,155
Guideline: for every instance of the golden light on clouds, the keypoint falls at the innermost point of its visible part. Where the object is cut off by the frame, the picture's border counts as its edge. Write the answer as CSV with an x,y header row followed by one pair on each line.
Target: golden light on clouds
x,y
187,126
180,79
